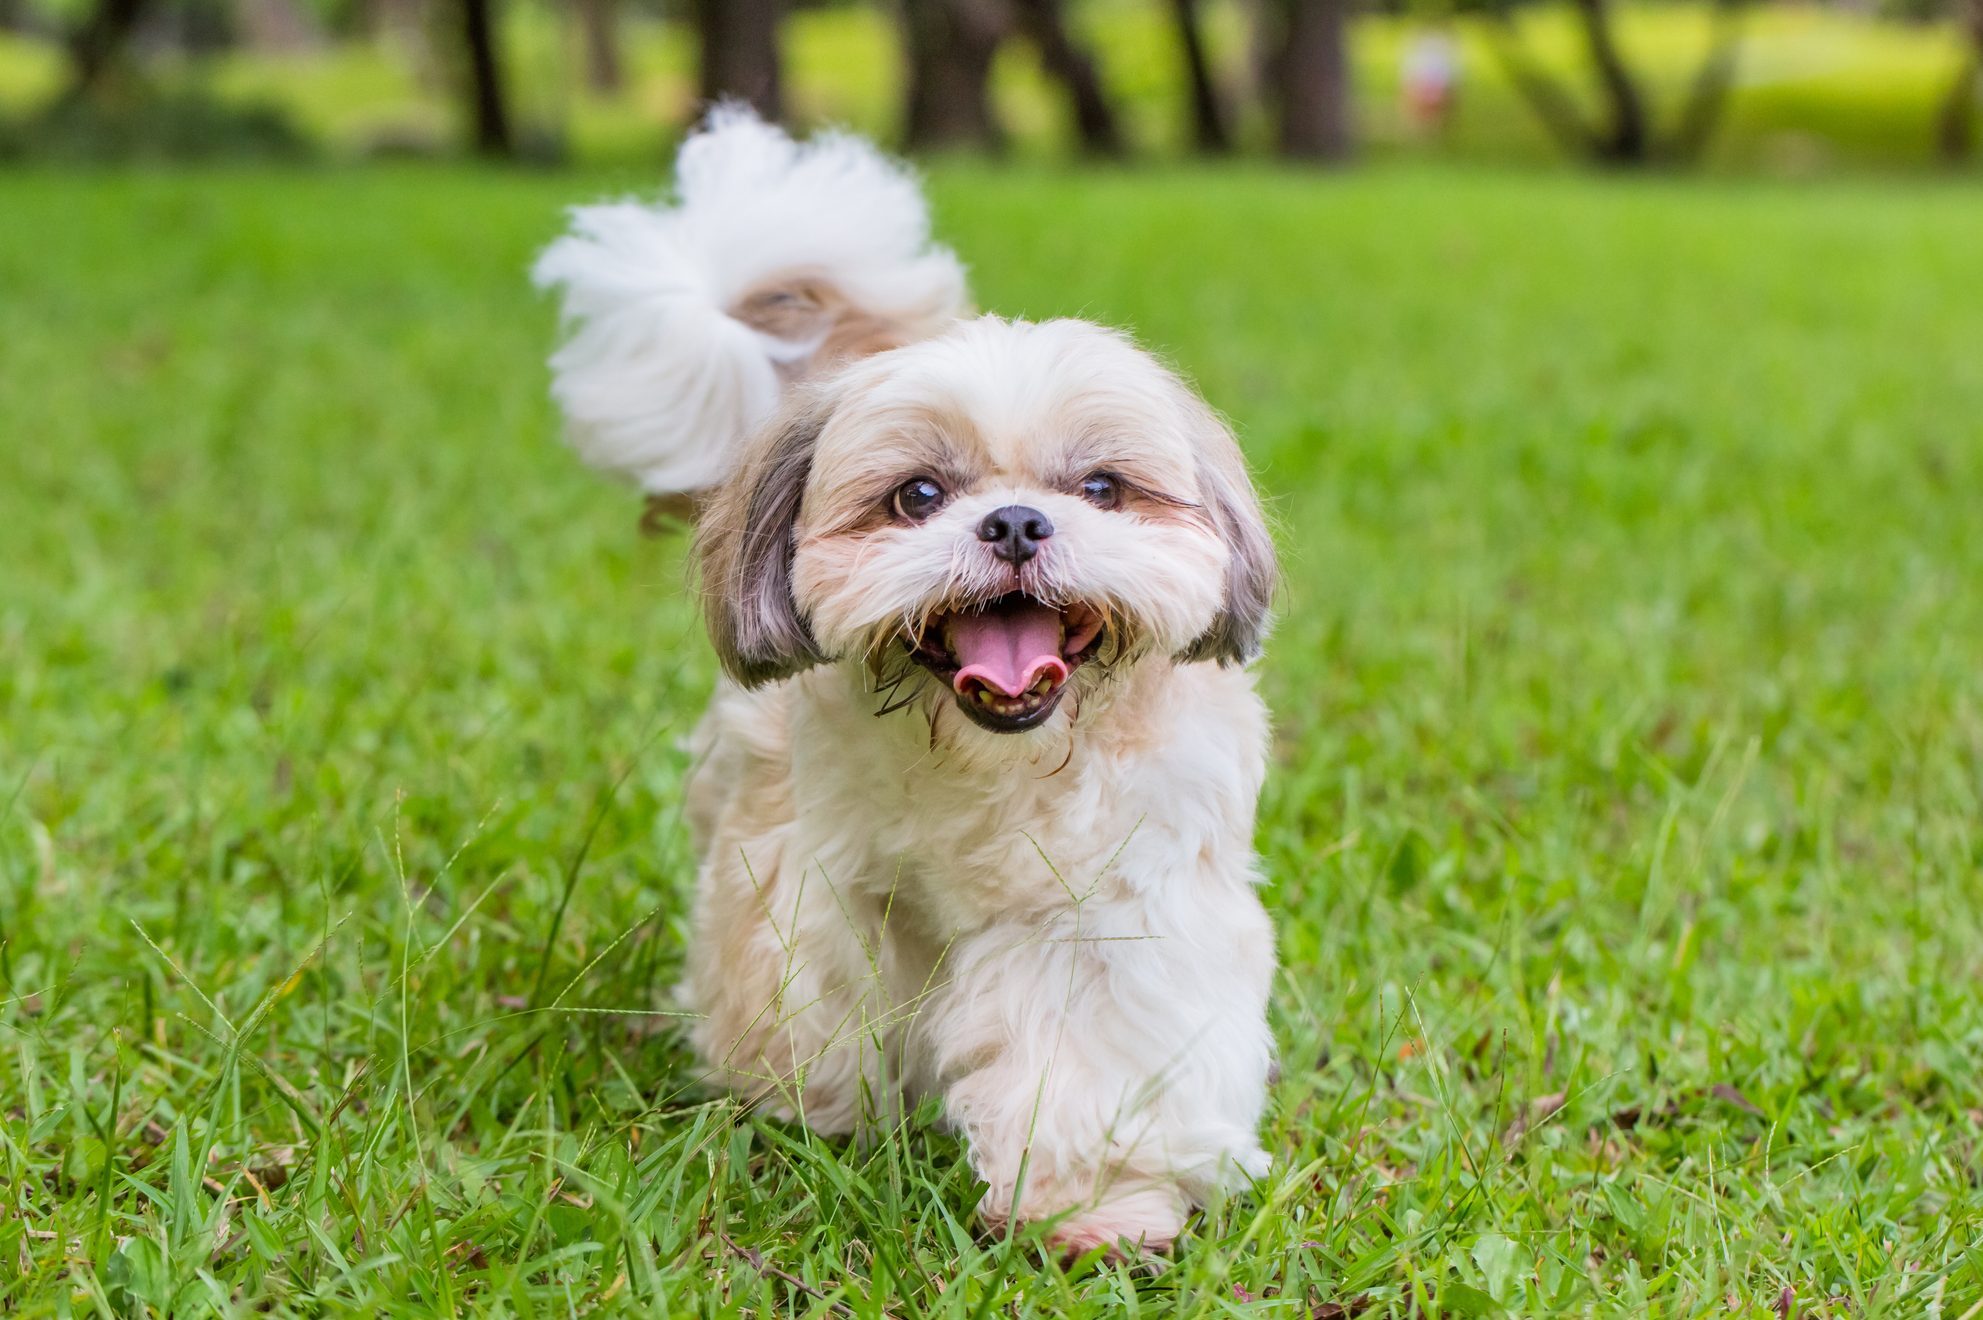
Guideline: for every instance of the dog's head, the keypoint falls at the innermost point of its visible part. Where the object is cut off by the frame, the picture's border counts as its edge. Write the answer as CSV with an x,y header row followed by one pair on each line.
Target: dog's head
x,y
1015,509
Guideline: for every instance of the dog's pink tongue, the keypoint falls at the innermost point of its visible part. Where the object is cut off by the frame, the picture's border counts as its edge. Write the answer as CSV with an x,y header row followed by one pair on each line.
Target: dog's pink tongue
x,y
1007,650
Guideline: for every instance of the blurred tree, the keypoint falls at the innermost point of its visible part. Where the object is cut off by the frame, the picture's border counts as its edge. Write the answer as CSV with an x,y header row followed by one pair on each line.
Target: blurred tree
x,y
488,101
1208,116
349,20
413,25
1707,99
739,41
279,26
1957,126
599,30
1094,119
1625,136
950,46
1309,77
100,45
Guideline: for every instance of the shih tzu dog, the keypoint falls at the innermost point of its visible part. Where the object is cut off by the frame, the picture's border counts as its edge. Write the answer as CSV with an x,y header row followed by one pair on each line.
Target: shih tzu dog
x,y
974,805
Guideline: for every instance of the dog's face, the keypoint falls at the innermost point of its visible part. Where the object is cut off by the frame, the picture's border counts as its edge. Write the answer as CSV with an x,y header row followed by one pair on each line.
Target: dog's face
x,y
1015,509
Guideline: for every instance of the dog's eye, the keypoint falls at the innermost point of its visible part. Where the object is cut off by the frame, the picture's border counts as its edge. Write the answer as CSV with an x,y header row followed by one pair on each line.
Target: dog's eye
x,y
918,498
1101,490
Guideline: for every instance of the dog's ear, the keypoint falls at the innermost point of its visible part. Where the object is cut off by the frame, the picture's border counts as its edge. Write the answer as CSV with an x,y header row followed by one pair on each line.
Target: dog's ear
x,y
1233,511
745,543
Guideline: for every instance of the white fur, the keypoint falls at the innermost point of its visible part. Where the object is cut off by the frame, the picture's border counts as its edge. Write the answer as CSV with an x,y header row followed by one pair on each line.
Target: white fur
x,y
658,382
1057,931
1077,962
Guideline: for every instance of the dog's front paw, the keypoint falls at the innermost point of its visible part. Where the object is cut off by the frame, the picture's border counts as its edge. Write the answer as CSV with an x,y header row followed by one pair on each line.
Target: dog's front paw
x,y
1125,1222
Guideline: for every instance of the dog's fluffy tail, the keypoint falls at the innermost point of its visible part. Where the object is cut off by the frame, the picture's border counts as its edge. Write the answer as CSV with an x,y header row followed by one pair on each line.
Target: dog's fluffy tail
x,y
686,321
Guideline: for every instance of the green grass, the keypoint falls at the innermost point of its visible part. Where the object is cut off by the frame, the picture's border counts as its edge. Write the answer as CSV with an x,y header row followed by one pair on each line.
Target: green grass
x,y
1623,832
1818,88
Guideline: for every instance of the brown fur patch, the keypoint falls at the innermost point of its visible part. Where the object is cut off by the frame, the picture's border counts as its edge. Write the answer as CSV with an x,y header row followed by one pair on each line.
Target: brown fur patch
x,y
801,308
664,513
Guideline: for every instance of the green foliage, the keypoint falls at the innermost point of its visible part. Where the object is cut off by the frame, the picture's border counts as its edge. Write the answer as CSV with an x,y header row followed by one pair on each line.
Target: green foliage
x,y
1622,835
142,124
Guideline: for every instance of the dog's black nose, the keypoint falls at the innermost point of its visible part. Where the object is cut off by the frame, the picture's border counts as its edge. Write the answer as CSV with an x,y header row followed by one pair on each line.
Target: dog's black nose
x,y
1015,532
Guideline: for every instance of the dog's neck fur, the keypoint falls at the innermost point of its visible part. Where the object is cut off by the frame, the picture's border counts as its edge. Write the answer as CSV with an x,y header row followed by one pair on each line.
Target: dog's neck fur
x,y
1032,817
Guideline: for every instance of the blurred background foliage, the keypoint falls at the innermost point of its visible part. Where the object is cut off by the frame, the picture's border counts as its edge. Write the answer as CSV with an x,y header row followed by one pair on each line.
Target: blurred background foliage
x,y
1777,88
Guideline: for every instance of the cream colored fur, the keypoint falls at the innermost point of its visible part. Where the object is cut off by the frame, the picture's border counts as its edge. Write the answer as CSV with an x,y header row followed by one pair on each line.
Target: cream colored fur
x,y
1055,931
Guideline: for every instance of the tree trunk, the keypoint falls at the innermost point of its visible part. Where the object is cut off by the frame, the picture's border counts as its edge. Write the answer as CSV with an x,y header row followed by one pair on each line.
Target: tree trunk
x,y
1626,140
1708,99
101,43
600,33
1546,97
950,46
1313,71
1208,116
740,53
488,104
410,23
1263,52
281,27
1094,119
1956,127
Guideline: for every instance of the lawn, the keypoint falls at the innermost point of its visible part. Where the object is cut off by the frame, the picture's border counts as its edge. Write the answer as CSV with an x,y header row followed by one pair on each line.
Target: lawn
x,y
1624,833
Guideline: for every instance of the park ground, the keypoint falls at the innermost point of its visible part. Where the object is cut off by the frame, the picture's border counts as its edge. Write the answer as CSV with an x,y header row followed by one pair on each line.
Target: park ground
x,y
1623,831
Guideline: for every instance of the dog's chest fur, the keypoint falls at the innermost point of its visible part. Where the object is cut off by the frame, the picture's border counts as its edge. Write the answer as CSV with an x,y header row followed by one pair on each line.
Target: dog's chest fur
x,y
968,828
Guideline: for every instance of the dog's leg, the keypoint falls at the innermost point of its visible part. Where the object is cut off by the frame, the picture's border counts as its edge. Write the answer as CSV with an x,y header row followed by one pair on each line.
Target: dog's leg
x,y
784,968
1108,1067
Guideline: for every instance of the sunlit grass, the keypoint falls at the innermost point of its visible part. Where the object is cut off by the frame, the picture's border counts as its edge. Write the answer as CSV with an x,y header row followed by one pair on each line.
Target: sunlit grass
x,y
1622,833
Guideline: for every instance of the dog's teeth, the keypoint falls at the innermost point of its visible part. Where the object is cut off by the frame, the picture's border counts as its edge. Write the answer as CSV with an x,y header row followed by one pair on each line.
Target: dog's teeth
x,y
984,697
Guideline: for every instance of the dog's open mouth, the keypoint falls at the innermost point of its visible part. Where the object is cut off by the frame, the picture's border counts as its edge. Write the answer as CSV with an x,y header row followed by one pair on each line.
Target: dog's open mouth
x,y
1008,660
